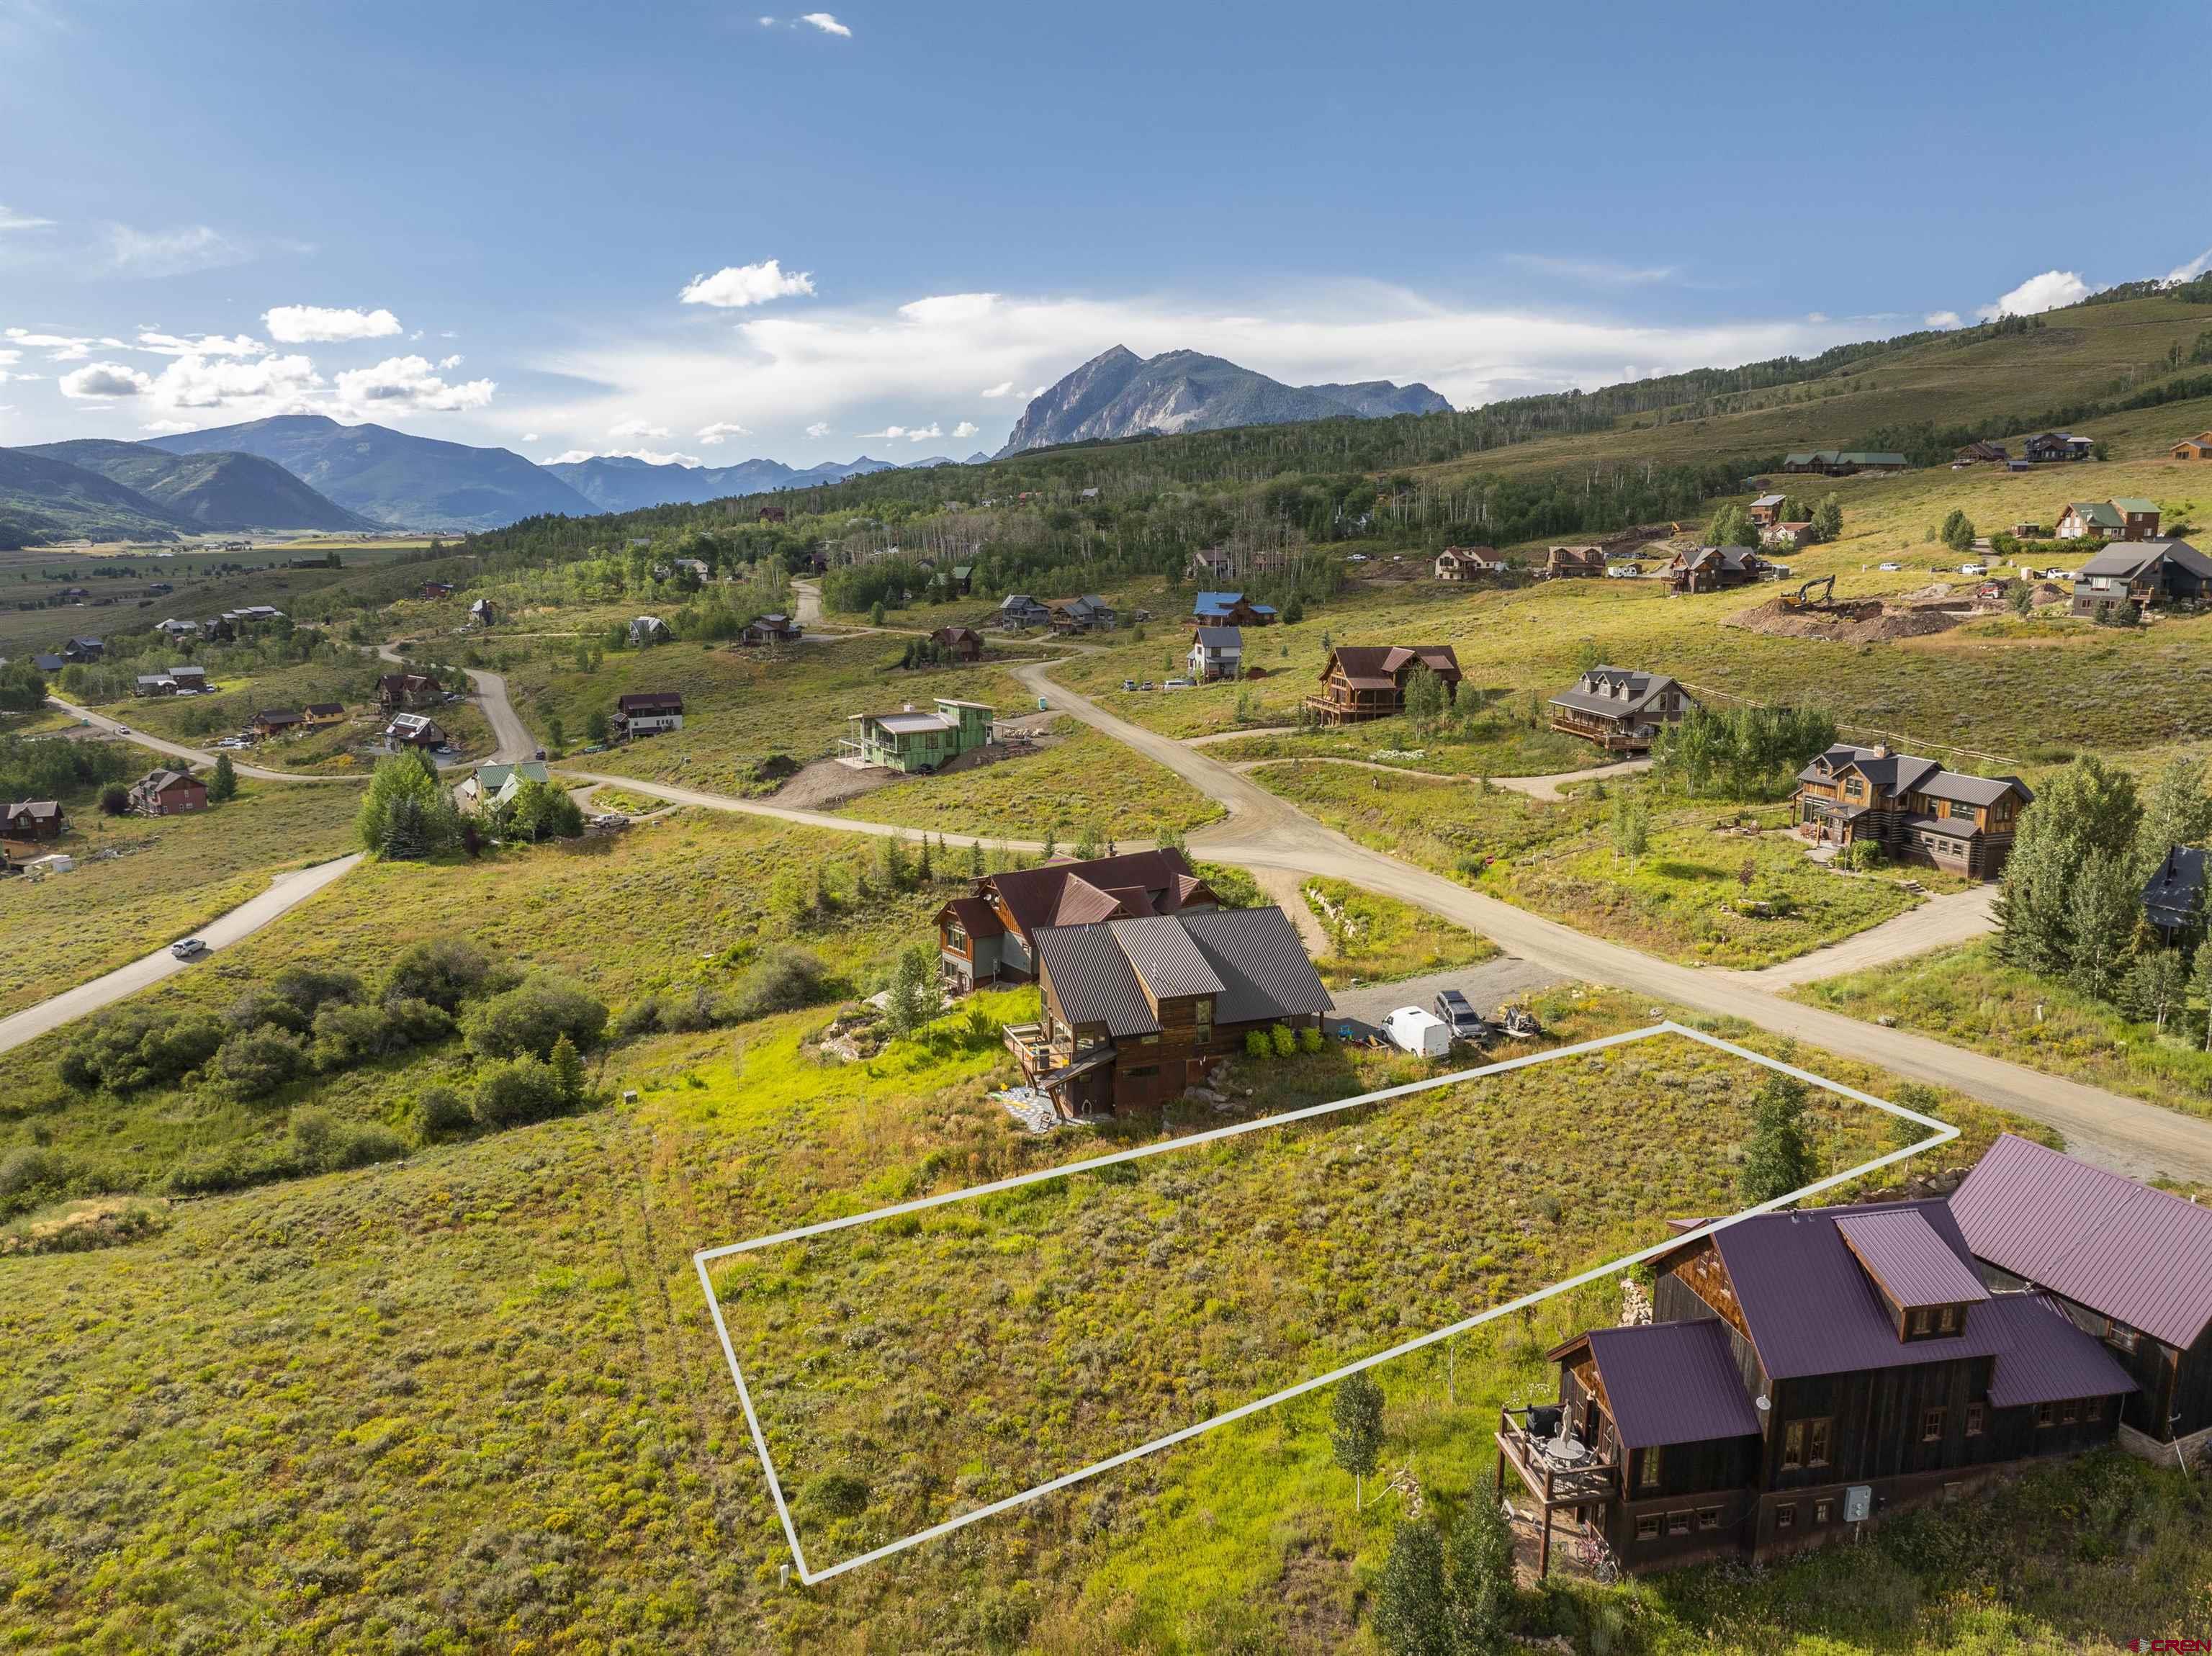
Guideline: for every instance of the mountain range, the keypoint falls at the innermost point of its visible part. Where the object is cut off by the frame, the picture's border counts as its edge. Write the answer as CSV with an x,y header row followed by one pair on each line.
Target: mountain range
x,y
217,491
1119,394
621,483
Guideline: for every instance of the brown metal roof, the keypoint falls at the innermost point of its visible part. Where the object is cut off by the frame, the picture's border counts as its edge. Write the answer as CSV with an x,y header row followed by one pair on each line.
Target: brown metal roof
x,y
1672,1383
1913,1264
1263,967
977,917
1088,980
1165,958
1032,895
2121,1248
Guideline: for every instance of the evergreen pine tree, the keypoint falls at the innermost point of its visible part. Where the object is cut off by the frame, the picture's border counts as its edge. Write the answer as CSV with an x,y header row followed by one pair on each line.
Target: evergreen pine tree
x,y
1412,1613
405,836
223,785
1778,1158
975,859
569,1069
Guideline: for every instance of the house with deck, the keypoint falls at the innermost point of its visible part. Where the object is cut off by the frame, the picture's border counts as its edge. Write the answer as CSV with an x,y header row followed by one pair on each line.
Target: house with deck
x,y
274,721
2130,1266
2198,447
33,819
2048,447
1464,563
494,786
1216,652
648,712
1844,462
1913,809
1135,1011
318,715
1981,454
1362,681
409,691
1715,568
413,730
2123,519
1767,509
770,629
1622,709
2143,575
1805,1372
959,643
1230,610
1574,563
169,793
916,742
1019,611
990,936
81,650
1086,614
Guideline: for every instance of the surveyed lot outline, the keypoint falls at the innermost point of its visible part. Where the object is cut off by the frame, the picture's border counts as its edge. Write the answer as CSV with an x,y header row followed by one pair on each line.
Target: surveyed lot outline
x,y
1940,1133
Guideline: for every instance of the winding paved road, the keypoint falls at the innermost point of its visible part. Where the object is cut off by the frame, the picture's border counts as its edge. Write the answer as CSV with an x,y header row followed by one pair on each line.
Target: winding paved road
x,y
286,892
511,740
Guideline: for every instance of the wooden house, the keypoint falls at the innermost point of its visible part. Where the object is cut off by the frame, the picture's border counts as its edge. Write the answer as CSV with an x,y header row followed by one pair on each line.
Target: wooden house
x,y
78,650
1767,509
1362,681
1573,562
1230,610
960,643
916,742
2198,447
770,629
48,663
648,712
2046,447
1620,708
169,793
1085,614
1982,454
2126,518
493,786
1462,563
413,730
990,936
2147,575
437,588
646,631
1019,611
1136,1011
318,715
1805,1372
33,819
1844,462
1216,652
1715,568
1787,534
2131,1266
1913,809
407,692
274,721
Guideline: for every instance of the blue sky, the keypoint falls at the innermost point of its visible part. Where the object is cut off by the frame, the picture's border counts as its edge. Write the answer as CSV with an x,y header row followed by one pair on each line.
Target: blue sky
x,y
480,221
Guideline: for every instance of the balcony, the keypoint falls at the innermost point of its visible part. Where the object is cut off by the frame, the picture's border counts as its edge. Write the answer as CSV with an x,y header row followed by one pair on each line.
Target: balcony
x,y
1556,1471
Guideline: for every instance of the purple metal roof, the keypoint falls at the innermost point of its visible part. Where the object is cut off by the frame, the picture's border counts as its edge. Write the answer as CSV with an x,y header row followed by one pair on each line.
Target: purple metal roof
x,y
1912,1264
2046,1358
2133,1253
1812,1309
1672,1383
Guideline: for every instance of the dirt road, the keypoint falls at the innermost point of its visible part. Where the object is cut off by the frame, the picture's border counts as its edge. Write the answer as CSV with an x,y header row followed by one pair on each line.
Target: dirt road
x,y
193,756
286,892
511,738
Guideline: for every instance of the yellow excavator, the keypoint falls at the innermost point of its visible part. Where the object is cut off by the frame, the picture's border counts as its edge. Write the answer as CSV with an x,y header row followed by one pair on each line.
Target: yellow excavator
x,y
1802,598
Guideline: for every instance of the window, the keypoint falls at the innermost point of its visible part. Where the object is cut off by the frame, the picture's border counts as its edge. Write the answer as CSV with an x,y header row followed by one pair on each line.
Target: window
x,y
1651,1468
1678,1523
1709,1517
955,936
2120,1336
1931,1424
1647,1527
1920,1323
1140,1072
2046,1414
2068,1412
1202,1010
1822,1509
1817,1433
1976,1412
1793,1446
1947,1321
1853,788
1785,1516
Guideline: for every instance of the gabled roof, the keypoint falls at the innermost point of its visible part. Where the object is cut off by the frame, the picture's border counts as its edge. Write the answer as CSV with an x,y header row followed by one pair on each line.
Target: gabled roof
x,y
1379,666
1218,637
1249,960
2133,558
2135,505
2104,514
37,809
1670,1382
161,781
2045,1358
1769,499
650,701
1216,603
1263,968
1167,961
977,917
1613,691
2121,1248
2172,894
1912,1264
1092,982
1032,895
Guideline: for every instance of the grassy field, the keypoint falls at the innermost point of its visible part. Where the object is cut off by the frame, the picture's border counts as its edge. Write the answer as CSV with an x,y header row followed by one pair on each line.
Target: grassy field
x,y
1968,997
172,875
1375,939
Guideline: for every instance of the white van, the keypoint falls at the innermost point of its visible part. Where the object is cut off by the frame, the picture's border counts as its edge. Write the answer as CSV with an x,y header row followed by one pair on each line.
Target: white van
x,y
1412,1030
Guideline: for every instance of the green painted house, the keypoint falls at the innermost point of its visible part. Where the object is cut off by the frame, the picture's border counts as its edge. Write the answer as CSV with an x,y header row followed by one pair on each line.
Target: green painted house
x,y
911,740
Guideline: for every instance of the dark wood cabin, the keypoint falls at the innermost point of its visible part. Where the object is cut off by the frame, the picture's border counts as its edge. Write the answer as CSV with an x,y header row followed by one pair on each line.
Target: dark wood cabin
x,y
1913,809
1362,681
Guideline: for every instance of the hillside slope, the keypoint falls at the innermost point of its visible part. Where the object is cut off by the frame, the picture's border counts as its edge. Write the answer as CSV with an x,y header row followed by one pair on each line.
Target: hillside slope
x,y
43,501
221,490
1119,394
621,483
392,477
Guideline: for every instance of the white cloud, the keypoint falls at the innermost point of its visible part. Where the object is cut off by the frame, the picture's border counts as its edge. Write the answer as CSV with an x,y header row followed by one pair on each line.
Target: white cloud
x,y
14,221
910,434
651,457
1597,272
409,383
308,324
103,380
569,456
719,430
767,22
637,429
826,23
1816,316
949,310
1942,318
532,437
819,429
1004,388
59,348
449,362
966,429
2180,273
207,344
270,384
737,286
169,252
2038,294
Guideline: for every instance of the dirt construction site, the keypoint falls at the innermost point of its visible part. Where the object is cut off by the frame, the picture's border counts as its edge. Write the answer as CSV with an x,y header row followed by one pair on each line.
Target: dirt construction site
x,y
1936,609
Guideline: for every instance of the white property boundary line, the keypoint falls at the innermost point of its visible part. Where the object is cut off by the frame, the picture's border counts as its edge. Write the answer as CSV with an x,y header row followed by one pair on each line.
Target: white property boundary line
x,y
1942,1134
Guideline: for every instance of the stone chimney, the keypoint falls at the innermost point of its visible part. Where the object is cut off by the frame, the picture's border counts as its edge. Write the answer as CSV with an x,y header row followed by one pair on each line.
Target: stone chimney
x,y
1881,749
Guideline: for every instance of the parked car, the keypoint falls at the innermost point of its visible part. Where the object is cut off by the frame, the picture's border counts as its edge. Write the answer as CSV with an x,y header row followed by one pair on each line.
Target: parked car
x,y
122,730
1460,1017
1148,685
189,949
1412,1030
1181,683
1889,569
2059,575
1973,569
1128,683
